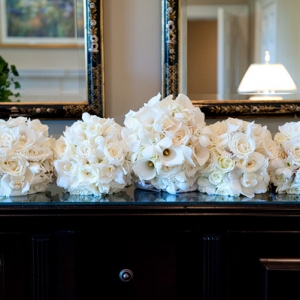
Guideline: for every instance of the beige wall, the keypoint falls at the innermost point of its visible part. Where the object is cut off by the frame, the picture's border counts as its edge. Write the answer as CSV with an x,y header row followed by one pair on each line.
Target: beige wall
x,y
132,37
202,57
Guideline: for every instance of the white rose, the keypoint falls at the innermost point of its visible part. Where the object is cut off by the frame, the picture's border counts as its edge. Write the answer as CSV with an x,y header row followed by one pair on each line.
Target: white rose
x,y
205,186
26,137
184,102
13,164
290,130
14,184
91,119
93,130
37,126
119,177
131,141
85,150
224,163
281,181
282,166
210,164
165,124
114,153
216,177
168,171
110,127
146,115
63,147
189,170
181,136
76,133
257,131
253,162
66,171
249,180
7,137
269,148
86,174
279,138
167,104
224,188
106,173
131,121
218,128
36,153
233,125
294,152
241,145
222,141
15,122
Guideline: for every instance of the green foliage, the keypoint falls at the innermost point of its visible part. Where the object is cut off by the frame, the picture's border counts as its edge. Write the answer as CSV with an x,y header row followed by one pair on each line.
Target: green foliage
x,y
7,74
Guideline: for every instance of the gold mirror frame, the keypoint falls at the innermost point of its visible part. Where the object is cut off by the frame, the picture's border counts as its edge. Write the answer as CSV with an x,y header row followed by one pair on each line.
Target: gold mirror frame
x,y
171,39
94,78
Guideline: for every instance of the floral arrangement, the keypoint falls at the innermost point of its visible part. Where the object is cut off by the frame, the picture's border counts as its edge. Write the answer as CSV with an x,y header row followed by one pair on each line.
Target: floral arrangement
x,y
285,167
26,157
91,157
168,141
239,155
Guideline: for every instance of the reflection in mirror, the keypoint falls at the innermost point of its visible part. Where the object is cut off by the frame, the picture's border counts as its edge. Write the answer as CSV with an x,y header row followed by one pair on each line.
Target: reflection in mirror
x,y
57,47
225,37
218,40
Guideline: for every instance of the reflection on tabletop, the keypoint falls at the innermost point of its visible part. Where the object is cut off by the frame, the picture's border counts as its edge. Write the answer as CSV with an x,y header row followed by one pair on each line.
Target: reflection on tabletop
x,y
56,195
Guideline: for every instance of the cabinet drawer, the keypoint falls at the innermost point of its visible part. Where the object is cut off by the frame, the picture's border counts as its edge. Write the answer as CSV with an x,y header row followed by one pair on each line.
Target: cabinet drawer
x,y
155,266
264,265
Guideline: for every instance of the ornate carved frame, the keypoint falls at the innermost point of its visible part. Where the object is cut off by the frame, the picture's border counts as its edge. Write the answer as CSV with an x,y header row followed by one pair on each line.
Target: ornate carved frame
x,y
95,78
171,10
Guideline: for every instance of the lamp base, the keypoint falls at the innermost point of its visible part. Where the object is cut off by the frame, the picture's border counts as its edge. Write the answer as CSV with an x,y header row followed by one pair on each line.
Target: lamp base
x,y
265,98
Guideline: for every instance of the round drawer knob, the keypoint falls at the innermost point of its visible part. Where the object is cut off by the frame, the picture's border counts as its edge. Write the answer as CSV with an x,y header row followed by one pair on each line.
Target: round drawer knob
x,y
126,275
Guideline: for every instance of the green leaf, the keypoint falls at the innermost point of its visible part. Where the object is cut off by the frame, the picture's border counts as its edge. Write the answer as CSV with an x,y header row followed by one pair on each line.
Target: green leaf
x,y
7,93
6,80
14,70
17,85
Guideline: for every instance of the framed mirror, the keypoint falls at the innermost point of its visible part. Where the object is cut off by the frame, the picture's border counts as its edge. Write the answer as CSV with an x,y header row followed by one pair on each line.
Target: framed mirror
x,y
261,24
57,48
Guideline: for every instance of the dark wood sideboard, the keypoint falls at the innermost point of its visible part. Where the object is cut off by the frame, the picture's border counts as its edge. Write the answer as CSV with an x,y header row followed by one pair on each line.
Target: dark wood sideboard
x,y
148,245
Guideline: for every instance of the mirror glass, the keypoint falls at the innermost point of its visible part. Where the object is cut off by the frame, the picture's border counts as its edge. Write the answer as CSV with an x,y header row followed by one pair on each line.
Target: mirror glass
x,y
223,37
56,47
208,45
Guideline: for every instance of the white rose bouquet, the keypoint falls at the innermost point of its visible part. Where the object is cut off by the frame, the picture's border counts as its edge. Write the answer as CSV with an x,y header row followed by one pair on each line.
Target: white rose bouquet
x,y
91,157
285,167
168,141
239,158
26,157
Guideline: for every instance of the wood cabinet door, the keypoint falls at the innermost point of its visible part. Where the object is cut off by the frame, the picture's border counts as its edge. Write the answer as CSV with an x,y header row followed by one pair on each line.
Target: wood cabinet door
x,y
154,265
263,265
14,267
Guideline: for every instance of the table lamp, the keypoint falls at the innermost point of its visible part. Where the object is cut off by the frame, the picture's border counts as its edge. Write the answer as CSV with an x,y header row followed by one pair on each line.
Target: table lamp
x,y
265,81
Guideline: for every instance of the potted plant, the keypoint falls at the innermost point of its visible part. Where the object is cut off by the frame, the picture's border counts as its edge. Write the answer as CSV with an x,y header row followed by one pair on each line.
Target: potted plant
x,y
7,74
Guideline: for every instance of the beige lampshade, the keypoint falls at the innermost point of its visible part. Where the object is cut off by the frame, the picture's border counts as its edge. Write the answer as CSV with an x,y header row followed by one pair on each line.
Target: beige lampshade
x,y
265,79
